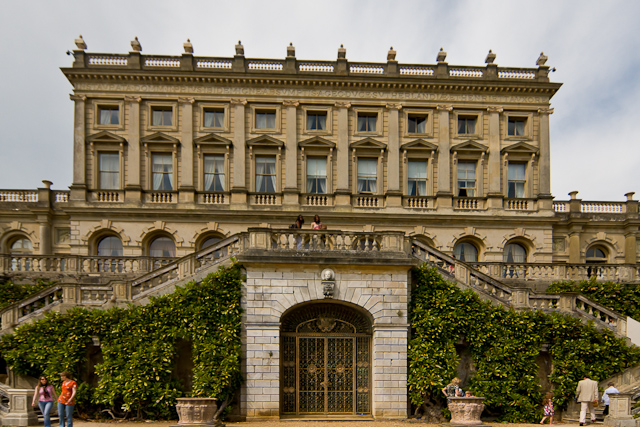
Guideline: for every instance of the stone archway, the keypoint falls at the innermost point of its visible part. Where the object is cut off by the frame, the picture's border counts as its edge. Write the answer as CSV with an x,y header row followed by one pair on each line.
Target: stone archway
x,y
325,361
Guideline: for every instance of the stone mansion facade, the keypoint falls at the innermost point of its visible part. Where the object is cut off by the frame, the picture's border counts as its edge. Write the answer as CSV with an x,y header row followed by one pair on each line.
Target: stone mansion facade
x,y
176,154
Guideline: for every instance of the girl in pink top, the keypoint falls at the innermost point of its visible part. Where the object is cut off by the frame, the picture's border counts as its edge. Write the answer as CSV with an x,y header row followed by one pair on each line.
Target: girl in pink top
x,y
46,394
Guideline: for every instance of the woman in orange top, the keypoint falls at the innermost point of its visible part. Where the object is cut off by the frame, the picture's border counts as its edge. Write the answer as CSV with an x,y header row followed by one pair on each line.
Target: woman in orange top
x,y
66,401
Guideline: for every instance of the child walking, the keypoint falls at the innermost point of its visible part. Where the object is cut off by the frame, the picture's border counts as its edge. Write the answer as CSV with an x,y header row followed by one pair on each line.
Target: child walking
x,y
548,408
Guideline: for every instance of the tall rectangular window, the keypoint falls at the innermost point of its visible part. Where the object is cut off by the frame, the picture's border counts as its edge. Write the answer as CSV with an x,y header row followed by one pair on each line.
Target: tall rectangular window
x,y
467,125
265,119
162,172
214,173
367,122
265,174
214,118
466,179
316,175
417,124
109,171
109,115
162,116
417,177
367,175
516,126
316,120
516,180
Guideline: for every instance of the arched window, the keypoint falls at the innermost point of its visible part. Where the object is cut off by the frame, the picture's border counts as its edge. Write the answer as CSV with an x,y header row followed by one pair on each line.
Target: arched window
x,y
596,254
210,242
162,247
515,253
110,246
21,246
466,251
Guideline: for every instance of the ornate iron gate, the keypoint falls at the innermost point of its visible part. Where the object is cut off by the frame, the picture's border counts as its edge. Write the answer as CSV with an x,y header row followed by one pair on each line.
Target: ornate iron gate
x,y
325,362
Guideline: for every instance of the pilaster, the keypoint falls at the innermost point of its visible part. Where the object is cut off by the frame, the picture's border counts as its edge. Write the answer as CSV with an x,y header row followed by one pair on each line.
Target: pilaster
x,y
132,186
494,194
186,188
291,191
238,182
79,185
544,163
394,194
444,194
342,152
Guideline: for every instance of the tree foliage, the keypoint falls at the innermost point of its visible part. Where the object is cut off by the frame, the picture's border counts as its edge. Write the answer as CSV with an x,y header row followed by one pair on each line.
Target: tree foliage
x,y
504,345
139,347
11,292
624,299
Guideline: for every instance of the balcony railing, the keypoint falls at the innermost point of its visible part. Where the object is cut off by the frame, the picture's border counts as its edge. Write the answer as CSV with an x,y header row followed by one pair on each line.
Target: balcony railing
x,y
553,272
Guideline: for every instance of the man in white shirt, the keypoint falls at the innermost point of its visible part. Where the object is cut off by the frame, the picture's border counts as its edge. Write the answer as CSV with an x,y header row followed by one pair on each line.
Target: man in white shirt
x,y
605,397
586,394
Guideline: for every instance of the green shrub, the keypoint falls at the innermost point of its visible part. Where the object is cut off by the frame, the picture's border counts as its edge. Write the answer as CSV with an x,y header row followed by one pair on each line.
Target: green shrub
x,y
10,292
139,347
504,345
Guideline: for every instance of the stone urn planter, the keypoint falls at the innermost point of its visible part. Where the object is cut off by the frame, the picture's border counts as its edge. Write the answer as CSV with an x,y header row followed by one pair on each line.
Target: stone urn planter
x,y
197,411
466,410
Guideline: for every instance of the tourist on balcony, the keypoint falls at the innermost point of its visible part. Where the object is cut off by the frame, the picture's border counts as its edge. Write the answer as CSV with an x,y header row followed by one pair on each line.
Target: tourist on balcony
x,y
605,398
46,394
66,401
586,394
317,224
548,408
298,224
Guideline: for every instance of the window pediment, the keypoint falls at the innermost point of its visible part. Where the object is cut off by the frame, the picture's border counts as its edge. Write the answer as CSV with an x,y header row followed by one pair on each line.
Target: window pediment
x,y
520,147
470,146
368,143
317,142
159,138
212,139
419,144
106,137
265,141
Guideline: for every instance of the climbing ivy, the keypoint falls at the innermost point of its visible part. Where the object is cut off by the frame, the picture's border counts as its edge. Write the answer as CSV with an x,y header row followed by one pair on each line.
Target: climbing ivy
x,y
139,347
622,298
504,345
11,292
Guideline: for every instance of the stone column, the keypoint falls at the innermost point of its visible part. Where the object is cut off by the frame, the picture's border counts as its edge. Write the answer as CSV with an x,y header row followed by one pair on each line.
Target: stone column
x,y
44,222
574,243
261,390
389,400
238,182
544,162
343,195
444,193
133,190
394,193
79,185
291,191
630,244
186,188
495,195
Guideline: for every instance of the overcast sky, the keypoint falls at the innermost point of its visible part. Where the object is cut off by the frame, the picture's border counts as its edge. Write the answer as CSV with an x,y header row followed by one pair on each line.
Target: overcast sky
x,y
594,46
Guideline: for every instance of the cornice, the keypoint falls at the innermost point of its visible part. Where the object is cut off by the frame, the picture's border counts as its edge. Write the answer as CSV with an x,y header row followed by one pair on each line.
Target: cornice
x,y
75,75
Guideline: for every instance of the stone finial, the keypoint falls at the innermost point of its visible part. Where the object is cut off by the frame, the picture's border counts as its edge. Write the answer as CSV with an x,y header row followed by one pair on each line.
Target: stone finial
x,y
442,55
342,52
542,59
574,195
135,45
490,57
80,43
629,196
48,184
291,50
391,55
188,47
239,48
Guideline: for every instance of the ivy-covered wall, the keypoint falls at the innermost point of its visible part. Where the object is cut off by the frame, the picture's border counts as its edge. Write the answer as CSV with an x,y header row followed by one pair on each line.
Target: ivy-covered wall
x,y
139,347
504,345
10,292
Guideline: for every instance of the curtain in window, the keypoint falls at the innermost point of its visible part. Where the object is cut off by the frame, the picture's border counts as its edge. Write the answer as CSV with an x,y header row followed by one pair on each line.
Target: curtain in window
x,y
110,246
422,125
105,117
316,121
162,172
516,180
213,119
514,253
265,120
109,171
367,123
417,178
367,175
157,118
265,175
214,173
162,247
316,176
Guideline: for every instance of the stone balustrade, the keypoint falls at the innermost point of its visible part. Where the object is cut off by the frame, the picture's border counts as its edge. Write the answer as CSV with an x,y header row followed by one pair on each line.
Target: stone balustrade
x,y
547,273
290,65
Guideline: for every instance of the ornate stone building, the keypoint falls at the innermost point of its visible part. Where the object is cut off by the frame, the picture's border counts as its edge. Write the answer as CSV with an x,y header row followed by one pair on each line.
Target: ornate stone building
x,y
190,157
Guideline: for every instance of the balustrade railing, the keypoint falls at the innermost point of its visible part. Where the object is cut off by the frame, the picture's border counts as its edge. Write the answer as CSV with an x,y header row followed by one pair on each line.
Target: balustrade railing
x,y
214,63
165,62
468,203
551,272
214,198
18,196
318,200
265,199
326,240
362,201
265,65
416,70
419,203
316,67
